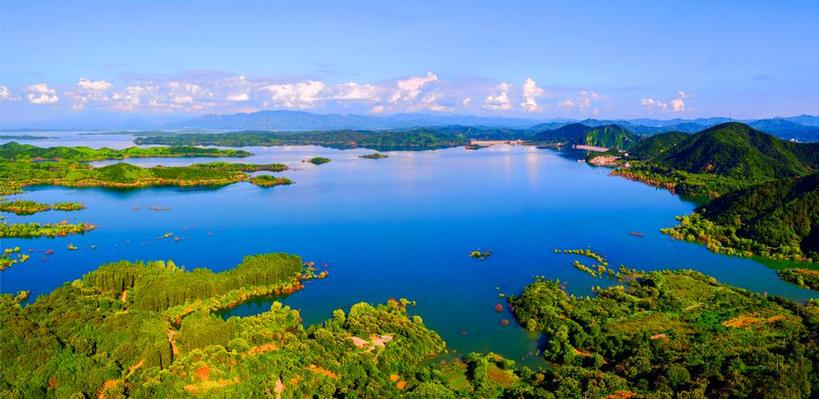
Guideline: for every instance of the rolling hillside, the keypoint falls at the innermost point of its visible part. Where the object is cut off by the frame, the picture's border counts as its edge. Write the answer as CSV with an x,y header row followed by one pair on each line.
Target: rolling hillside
x,y
740,151
577,133
780,216
654,146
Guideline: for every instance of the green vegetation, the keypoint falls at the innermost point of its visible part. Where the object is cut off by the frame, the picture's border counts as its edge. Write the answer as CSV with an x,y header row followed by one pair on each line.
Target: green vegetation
x,y
26,207
611,152
412,139
610,136
700,187
718,160
35,230
123,175
778,219
759,193
599,269
153,330
670,334
375,155
26,165
805,278
110,335
10,256
657,145
270,181
25,152
737,150
479,255
319,160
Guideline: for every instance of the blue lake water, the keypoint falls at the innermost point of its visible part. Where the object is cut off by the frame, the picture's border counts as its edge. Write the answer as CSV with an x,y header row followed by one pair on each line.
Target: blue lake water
x,y
396,227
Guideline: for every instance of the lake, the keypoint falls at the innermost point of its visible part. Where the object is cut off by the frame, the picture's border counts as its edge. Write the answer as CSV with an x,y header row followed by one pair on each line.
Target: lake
x,y
396,227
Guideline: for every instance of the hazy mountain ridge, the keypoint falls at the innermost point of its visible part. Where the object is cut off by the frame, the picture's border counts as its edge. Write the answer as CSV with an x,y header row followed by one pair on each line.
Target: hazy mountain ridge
x,y
801,128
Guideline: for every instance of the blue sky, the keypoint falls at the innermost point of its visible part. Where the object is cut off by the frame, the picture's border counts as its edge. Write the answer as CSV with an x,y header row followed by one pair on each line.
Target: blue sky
x,y
537,59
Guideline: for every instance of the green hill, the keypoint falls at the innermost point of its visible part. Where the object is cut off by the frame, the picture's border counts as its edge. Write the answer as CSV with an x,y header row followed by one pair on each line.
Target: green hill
x,y
776,214
611,136
778,219
654,146
740,151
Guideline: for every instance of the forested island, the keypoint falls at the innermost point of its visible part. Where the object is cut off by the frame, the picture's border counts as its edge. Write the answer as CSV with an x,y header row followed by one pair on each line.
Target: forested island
x,y
414,139
375,155
26,165
25,152
156,333
27,207
319,160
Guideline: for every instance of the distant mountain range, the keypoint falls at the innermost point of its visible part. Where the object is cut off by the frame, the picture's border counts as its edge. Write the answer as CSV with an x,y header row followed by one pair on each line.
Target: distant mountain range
x,y
306,121
802,128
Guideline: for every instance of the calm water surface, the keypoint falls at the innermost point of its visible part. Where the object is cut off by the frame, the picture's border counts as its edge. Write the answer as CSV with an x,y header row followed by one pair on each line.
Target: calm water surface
x,y
396,227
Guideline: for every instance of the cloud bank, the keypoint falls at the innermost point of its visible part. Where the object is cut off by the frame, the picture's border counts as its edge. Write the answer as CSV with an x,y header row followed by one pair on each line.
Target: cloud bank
x,y
199,93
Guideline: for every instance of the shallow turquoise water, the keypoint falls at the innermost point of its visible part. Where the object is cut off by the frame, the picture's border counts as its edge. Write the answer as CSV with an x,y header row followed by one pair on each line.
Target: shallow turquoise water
x,y
396,227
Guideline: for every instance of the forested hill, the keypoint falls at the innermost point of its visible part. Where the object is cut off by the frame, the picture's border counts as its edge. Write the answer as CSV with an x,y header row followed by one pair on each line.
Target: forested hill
x,y
25,152
782,214
740,151
654,146
577,133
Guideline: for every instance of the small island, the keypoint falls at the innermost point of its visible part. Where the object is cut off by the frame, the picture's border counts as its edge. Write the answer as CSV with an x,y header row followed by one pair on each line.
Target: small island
x,y
319,160
26,165
27,207
270,181
51,230
375,155
480,255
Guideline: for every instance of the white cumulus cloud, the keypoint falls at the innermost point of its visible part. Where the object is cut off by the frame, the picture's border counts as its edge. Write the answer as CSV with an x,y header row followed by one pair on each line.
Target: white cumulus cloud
x,y
88,91
40,93
296,95
584,101
94,85
531,92
410,88
499,100
352,91
5,94
677,103
132,97
650,102
430,103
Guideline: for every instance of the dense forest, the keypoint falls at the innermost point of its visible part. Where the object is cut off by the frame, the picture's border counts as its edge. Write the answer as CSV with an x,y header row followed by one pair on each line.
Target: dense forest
x,y
416,139
777,219
654,146
673,334
19,174
152,330
758,193
26,152
610,136
718,160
